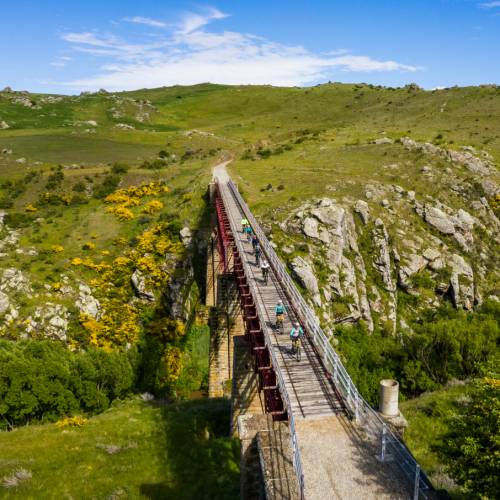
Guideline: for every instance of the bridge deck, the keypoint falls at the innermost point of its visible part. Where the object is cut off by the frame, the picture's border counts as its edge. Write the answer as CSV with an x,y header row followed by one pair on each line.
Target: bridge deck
x,y
310,392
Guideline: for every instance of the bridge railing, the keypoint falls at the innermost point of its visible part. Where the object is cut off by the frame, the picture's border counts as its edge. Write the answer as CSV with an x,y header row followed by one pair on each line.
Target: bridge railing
x,y
391,447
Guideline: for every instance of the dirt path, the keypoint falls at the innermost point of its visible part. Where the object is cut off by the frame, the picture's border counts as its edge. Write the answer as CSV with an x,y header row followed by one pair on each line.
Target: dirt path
x,y
220,171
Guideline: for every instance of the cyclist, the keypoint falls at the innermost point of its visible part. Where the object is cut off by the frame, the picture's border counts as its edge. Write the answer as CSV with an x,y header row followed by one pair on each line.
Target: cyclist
x,y
248,232
257,253
296,333
244,224
255,241
264,267
280,313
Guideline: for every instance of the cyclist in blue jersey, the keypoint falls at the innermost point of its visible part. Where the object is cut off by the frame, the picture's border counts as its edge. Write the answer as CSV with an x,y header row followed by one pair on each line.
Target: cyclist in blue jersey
x,y
280,311
296,334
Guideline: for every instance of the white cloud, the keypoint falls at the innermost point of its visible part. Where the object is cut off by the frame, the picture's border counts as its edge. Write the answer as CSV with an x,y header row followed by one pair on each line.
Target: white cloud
x,y
490,5
61,61
191,54
192,21
146,20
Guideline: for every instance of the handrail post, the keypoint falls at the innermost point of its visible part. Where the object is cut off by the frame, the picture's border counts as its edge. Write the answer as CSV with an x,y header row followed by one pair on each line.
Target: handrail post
x,y
383,444
417,482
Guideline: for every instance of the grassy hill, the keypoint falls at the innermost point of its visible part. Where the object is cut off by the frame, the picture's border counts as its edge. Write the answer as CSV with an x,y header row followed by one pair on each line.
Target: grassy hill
x,y
74,172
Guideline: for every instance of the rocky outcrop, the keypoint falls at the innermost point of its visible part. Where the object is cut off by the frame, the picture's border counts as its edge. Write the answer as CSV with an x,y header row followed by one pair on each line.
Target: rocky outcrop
x,y
13,280
382,256
461,282
49,320
413,264
86,303
177,296
138,281
466,157
305,275
4,303
186,236
362,208
459,225
439,220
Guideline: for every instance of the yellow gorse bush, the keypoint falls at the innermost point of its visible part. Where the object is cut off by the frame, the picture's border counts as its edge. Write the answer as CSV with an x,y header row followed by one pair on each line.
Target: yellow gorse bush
x,y
72,422
152,207
121,211
57,248
30,208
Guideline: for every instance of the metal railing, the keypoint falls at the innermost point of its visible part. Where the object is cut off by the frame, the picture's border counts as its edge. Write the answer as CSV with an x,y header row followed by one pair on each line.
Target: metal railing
x,y
391,447
297,462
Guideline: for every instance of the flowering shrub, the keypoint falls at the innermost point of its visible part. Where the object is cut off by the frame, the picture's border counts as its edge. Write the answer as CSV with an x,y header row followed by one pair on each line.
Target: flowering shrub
x,y
57,248
30,208
121,211
172,359
72,422
152,207
88,246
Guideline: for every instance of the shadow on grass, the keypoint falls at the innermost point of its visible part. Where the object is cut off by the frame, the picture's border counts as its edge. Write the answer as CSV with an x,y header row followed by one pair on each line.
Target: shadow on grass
x,y
200,460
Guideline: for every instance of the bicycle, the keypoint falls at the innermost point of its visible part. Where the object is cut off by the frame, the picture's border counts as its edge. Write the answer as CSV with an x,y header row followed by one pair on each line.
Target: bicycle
x,y
296,349
265,275
279,323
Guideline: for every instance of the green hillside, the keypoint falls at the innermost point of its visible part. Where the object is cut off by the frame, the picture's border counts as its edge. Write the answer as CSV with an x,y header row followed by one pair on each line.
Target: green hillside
x,y
388,197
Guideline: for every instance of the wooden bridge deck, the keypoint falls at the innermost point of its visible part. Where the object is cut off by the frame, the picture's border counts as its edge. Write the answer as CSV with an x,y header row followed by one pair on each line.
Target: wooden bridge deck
x,y
311,393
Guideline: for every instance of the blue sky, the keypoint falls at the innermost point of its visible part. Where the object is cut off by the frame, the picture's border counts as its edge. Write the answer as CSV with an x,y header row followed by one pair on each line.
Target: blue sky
x,y
70,46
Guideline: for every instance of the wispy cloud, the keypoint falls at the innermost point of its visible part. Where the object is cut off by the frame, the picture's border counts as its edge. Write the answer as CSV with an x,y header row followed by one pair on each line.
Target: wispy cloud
x,y
189,53
61,61
192,21
490,5
146,20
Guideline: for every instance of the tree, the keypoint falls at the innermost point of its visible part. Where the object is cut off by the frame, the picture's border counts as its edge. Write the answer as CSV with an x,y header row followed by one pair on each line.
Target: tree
x,y
472,451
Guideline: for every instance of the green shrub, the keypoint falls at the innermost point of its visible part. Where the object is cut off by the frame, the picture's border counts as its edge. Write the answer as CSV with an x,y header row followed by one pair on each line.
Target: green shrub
x,y
120,168
42,381
108,185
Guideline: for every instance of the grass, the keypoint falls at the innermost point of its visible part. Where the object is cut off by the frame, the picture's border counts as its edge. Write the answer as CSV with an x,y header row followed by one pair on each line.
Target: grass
x,y
134,450
427,418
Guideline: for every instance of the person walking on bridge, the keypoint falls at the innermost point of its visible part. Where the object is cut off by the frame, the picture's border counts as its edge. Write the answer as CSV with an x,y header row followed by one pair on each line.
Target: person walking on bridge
x,y
244,224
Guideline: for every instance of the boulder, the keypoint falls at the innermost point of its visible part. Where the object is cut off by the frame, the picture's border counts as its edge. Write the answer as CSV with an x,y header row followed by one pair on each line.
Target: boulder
x,y
413,264
138,281
4,125
186,236
438,219
14,280
49,320
310,227
382,140
362,208
461,282
4,303
86,303
305,275
382,258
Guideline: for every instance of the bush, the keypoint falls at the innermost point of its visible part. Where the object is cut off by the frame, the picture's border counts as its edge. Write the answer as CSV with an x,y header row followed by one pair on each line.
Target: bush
x,y
79,187
43,381
54,180
109,184
120,168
